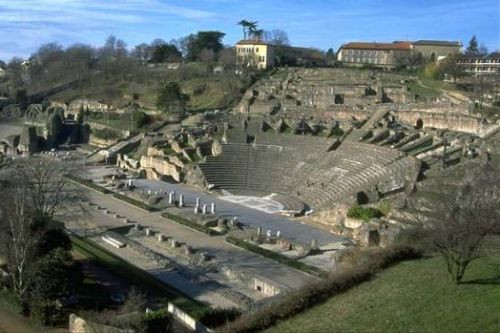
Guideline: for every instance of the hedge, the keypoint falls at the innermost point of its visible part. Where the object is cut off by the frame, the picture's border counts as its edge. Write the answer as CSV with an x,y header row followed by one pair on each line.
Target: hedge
x,y
88,183
300,300
191,224
135,202
277,257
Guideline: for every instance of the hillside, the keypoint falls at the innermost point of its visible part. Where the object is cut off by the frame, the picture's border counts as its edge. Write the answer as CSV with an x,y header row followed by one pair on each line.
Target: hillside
x,y
140,85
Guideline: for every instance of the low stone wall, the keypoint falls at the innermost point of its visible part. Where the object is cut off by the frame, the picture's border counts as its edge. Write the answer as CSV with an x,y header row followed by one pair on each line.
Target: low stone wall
x,y
102,143
94,125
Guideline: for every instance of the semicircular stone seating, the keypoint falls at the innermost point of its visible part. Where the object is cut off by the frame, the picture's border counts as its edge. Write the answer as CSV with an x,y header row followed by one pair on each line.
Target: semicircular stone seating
x,y
300,167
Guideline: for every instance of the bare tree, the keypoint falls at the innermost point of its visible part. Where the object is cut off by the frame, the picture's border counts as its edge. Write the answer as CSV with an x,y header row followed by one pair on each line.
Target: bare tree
x,y
49,192
33,192
227,57
142,52
17,239
277,37
457,224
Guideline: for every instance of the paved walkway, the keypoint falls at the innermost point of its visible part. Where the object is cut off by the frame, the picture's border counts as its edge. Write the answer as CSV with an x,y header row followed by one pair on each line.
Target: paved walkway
x,y
225,253
293,230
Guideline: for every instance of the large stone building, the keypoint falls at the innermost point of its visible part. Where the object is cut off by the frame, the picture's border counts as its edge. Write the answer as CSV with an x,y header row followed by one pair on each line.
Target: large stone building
x,y
254,53
378,54
480,63
391,54
436,50
261,55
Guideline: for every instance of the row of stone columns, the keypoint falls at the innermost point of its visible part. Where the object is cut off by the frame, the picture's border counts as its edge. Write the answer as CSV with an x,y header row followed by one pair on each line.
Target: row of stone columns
x,y
204,208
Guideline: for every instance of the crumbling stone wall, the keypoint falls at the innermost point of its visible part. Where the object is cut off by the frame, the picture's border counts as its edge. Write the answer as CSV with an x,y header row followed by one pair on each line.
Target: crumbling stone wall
x,y
442,119
161,167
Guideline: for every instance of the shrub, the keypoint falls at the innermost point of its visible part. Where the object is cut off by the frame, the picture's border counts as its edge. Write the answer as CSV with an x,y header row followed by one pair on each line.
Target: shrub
x,y
134,202
337,131
364,213
158,321
191,224
138,118
88,183
218,317
277,257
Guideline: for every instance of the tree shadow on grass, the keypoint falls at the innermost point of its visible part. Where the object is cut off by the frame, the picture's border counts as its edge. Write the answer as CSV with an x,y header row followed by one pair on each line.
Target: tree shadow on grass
x,y
486,281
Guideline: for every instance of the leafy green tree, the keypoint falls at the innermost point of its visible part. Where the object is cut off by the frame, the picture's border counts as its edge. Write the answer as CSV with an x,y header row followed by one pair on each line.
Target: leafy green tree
x,y
473,46
244,24
166,53
248,26
210,40
49,281
171,98
330,54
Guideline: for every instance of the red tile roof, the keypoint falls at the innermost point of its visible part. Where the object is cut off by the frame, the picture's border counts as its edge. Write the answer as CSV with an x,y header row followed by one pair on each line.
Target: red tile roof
x,y
251,42
378,46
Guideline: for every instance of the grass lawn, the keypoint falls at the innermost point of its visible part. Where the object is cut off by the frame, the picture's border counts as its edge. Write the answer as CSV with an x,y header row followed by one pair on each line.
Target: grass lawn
x,y
413,296
422,91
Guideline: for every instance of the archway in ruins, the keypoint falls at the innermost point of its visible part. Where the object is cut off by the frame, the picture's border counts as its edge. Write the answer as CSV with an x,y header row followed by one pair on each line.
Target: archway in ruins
x,y
419,124
373,238
362,198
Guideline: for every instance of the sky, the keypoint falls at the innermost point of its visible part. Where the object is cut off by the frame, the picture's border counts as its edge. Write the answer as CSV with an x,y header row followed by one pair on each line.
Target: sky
x,y
26,24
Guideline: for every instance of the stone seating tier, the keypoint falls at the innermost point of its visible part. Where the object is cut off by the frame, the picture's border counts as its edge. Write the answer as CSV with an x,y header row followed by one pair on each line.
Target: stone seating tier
x,y
302,167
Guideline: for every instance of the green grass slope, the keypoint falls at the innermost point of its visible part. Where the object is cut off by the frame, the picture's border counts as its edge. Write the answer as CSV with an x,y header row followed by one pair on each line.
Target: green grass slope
x,y
413,296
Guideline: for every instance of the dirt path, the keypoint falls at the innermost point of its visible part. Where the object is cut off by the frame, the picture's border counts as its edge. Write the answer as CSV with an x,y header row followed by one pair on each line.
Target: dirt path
x,y
13,323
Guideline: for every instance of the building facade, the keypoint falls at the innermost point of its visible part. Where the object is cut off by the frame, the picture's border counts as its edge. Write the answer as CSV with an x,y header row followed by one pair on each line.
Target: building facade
x,y
377,54
253,53
480,63
436,50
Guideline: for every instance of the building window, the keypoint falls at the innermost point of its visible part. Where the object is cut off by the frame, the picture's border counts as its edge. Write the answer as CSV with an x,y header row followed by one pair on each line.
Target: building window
x,y
257,50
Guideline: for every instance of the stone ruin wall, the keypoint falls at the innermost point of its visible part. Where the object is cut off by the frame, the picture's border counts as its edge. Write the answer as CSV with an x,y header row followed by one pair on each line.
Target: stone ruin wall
x,y
442,120
157,166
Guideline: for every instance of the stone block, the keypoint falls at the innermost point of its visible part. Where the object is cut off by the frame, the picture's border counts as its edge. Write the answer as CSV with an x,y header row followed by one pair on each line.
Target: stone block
x,y
188,250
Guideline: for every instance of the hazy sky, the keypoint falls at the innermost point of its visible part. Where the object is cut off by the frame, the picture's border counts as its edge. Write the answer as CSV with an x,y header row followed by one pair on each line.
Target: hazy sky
x,y
25,24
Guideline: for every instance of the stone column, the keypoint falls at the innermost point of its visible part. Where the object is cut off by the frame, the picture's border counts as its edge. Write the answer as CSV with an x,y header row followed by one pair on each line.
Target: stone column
x,y
314,244
196,209
268,235
278,234
259,231
204,209
160,238
171,197
212,208
181,200
197,202
148,232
